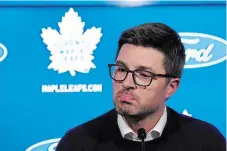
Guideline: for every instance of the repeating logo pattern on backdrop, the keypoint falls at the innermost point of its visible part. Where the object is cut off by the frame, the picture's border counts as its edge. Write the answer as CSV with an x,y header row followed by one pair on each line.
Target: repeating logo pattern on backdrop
x,y
71,51
3,52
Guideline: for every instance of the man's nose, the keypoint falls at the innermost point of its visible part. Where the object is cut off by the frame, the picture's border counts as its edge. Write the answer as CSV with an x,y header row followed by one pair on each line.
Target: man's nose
x,y
129,82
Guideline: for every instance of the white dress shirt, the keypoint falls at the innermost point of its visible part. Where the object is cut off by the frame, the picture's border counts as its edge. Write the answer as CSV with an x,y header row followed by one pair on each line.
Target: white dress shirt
x,y
156,132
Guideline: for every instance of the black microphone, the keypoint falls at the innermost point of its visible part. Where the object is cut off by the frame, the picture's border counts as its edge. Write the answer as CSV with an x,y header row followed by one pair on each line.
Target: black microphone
x,y
142,135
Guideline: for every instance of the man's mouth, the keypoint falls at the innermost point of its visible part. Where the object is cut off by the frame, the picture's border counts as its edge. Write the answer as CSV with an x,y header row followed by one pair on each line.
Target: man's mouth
x,y
126,98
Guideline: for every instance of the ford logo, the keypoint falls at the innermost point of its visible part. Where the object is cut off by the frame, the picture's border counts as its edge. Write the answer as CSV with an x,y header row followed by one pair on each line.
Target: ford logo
x,y
47,145
3,52
203,50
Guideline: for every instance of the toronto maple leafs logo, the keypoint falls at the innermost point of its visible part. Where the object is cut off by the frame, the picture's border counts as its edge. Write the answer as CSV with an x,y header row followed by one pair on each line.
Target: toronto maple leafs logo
x,y
71,49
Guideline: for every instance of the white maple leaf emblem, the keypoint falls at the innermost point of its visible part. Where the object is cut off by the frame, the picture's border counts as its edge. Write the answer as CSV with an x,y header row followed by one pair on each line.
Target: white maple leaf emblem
x,y
71,49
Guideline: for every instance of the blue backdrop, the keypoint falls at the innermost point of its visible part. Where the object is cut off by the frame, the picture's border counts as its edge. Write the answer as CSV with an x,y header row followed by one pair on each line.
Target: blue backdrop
x,y
38,104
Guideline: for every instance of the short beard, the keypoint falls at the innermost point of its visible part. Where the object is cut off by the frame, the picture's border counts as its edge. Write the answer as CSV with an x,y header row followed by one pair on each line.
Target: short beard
x,y
141,113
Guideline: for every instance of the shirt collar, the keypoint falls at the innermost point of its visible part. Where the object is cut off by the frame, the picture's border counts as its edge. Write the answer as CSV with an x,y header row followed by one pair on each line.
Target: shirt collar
x,y
127,132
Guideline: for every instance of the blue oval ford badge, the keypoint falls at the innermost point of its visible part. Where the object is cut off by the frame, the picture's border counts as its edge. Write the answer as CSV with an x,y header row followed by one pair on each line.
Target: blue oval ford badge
x,y
203,50
47,145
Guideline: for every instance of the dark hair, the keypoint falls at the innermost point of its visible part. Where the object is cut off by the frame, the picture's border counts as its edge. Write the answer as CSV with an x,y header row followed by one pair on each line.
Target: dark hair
x,y
161,37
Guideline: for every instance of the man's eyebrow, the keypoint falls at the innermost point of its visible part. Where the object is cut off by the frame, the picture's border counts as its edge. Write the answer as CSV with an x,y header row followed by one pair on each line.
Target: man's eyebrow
x,y
121,63
145,68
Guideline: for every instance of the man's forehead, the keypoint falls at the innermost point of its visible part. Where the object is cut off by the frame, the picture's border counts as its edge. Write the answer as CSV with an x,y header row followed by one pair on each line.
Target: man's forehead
x,y
134,65
140,52
140,57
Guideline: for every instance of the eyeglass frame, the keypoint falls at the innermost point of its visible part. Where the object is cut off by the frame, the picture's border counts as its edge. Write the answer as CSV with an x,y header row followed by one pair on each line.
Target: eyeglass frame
x,y
133,74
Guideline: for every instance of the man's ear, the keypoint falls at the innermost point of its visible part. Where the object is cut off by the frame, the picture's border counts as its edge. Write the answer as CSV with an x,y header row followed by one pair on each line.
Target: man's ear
x,y
172,86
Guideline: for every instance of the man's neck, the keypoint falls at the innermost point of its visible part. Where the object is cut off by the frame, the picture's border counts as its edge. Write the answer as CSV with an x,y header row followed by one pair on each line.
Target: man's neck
x,y
147,122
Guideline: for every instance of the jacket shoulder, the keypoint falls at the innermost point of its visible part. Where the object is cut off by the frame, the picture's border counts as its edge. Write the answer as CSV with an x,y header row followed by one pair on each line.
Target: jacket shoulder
x,y
87,133
200,132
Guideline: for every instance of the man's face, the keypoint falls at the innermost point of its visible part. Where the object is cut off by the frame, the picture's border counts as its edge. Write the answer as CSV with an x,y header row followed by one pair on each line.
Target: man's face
x,y
130,99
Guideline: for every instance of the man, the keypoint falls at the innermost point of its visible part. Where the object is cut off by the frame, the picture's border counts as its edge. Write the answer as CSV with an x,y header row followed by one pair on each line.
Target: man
x,y
148,69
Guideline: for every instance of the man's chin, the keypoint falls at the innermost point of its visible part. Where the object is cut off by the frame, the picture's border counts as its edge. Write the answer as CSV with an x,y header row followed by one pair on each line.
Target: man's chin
x,y
126,112
133,113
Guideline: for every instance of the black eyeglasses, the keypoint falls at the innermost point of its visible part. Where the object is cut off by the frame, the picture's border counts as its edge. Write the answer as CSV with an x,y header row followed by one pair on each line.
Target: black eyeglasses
x,y
140,77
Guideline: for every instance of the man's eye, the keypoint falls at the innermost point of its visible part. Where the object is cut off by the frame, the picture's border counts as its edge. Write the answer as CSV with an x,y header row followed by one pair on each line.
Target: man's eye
x,y
120,69
144,74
